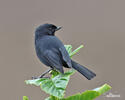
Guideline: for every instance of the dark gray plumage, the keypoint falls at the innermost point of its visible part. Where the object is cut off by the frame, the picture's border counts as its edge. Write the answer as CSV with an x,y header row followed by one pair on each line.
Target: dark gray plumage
x,y
51,51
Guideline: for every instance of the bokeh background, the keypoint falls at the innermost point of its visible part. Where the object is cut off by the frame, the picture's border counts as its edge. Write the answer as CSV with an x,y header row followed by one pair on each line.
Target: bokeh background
x,y
98,24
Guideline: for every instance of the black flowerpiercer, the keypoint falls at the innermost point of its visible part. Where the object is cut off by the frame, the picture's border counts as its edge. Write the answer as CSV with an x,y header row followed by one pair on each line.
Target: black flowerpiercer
x,y
51,51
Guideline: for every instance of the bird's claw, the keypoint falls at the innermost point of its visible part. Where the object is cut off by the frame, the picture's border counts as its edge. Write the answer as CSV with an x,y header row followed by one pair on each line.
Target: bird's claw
x,y
33,77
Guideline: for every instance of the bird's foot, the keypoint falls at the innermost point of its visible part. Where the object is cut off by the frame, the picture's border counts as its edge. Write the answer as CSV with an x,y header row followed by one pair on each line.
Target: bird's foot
x,y
33,77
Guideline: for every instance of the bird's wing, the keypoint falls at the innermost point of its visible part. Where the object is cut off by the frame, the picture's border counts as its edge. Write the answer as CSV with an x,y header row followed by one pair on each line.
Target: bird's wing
x,y
53,58
65,56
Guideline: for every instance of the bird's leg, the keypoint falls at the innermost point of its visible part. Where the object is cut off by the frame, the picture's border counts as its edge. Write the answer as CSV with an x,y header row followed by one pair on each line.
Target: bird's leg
x,y
43,74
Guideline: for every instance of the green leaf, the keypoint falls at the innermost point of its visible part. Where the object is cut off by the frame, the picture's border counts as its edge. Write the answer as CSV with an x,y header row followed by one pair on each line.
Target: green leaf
x,y
103,88
25,98
87,95
73,97
90,94
54,86
36,82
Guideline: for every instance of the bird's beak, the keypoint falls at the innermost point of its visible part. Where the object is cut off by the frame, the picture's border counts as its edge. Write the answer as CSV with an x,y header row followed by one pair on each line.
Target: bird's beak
x,y
58,28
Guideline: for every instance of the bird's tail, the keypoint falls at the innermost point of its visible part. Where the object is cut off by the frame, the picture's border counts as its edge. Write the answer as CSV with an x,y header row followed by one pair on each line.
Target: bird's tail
x,y
83,70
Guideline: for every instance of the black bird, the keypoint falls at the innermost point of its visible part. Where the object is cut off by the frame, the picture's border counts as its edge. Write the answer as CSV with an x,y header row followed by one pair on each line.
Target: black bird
x,y
51,51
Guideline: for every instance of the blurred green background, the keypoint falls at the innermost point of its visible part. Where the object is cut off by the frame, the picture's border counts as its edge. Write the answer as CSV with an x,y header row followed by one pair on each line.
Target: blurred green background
x,y
98,24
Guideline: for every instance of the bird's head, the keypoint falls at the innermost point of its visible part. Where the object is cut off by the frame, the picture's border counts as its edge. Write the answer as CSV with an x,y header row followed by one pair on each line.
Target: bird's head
x,y
46,29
